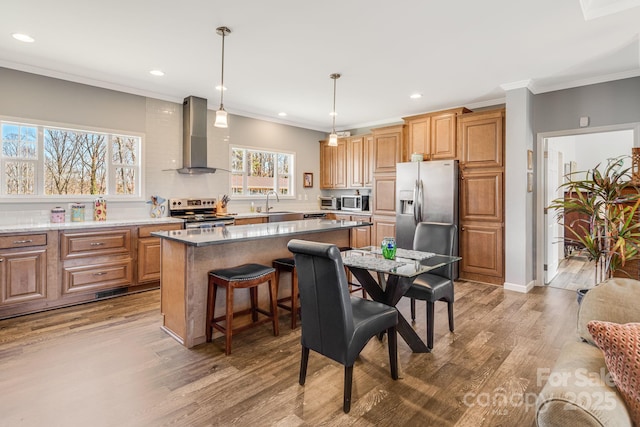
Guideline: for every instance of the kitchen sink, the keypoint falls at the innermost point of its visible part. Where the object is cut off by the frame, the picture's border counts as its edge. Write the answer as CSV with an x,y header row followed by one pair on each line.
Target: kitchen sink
x,y
281,216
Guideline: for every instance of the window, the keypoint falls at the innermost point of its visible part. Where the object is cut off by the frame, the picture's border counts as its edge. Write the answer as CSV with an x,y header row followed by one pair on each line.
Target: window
x,y
255,172
39,160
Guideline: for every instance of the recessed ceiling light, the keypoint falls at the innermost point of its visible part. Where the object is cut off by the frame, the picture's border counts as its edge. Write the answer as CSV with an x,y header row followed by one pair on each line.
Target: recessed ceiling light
x,y
23,37
223,87
282,114
158,73
415,96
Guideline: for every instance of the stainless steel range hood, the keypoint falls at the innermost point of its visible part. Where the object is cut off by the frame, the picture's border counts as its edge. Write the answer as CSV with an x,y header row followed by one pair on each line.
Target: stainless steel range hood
x,y
194,136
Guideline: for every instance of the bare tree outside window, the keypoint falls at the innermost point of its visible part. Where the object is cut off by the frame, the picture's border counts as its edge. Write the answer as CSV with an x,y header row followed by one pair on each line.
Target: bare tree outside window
x,y
67,162
254,172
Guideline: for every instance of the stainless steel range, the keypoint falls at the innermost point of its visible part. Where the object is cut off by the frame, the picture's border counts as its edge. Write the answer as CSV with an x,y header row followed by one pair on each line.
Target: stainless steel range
x,y
198,213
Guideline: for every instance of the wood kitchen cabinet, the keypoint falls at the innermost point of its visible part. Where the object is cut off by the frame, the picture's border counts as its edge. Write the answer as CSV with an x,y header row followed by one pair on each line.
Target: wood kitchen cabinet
x,y
383,226
23,268
360,161
148,262
96,260
434,135
254,220
358,237
481,155
481,139
333,165
387,148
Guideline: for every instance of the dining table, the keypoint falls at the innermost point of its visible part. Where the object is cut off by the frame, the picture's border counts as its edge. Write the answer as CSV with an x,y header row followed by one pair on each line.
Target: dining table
x,y
394,277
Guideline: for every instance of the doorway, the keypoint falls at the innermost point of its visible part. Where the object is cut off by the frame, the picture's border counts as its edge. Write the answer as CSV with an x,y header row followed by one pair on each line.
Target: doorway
x,y
562,265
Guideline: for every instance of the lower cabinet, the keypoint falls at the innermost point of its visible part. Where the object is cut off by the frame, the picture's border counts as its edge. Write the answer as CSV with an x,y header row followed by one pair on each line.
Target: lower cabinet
x,y
23,275
40,271
254,220
358,237
383,226
482,252
149,252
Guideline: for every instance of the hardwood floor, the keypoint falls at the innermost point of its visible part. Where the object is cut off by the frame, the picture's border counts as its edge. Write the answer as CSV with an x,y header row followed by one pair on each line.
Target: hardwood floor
x,y
109,364
574,272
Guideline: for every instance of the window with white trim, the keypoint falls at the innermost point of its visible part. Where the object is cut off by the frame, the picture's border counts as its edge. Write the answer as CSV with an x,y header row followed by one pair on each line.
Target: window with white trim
x,y
41,161
254,172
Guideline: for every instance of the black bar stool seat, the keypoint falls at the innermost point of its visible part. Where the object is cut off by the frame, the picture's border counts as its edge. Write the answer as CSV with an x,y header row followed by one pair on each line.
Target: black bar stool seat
x,y
241,276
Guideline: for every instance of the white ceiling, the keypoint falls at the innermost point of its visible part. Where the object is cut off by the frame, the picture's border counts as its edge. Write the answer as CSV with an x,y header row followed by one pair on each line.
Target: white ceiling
x,y
280,52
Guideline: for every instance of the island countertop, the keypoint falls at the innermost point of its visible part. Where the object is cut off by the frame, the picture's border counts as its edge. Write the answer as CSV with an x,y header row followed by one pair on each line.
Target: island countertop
x,y
240,233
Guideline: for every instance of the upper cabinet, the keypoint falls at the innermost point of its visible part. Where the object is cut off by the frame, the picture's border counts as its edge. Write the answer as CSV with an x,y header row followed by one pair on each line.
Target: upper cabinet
x,y
333,165
481,139
349,165
387,148
360,161
433,134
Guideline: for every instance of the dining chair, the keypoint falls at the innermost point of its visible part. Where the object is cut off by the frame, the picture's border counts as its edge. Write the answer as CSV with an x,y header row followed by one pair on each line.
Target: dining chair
x,y
334,323
436,285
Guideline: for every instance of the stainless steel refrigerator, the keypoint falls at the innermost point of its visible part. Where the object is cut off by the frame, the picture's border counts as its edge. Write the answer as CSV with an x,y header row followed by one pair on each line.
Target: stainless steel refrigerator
x,y
426,191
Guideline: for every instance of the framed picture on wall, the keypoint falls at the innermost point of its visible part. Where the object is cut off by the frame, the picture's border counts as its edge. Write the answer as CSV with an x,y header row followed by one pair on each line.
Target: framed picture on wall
x,y
308,180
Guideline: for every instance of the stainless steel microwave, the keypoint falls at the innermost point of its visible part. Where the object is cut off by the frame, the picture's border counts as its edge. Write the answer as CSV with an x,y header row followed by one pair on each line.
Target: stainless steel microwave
x,y
355,202
329,203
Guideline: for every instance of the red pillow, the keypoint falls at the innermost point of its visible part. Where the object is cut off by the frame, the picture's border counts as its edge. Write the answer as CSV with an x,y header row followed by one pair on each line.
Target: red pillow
x,y
621,347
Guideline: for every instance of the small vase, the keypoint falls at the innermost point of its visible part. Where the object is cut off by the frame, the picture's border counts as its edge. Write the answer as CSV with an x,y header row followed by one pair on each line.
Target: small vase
x,y
388,247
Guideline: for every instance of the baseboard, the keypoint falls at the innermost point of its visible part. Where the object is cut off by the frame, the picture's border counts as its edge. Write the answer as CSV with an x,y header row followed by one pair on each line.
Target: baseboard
x,y
519,288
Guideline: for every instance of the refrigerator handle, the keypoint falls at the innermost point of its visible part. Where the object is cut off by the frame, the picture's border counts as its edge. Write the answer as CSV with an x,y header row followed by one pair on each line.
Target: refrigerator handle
x,y
420,201
416,193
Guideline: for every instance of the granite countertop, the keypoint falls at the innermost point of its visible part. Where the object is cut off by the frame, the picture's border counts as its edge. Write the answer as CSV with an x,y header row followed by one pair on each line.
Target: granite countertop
x,y
49,226
238,233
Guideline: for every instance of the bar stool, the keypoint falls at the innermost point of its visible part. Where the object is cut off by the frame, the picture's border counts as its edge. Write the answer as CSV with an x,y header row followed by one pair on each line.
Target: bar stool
x,y
242,276
289,266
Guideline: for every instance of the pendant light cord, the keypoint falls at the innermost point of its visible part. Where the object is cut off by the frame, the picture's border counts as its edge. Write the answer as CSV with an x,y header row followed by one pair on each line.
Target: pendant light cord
x,y
222,74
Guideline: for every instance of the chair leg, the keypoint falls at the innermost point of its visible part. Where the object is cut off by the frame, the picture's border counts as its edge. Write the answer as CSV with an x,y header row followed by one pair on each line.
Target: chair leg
x,y
430,316
348,377
228,332
254,303
450,310
273,298
304,361
294,299
393,352
211,305
413,309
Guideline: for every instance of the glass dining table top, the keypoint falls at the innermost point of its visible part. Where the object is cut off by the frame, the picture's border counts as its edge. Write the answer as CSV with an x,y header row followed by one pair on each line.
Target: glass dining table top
x,y
407,263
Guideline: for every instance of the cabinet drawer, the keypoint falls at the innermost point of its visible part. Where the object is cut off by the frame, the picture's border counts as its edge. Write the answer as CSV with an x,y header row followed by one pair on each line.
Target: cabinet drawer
x,y
146,230
23,240
86,244
97,276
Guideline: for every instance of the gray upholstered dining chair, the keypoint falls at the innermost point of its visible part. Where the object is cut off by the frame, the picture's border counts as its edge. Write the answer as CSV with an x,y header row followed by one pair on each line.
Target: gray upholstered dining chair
x,y
334,323
436,285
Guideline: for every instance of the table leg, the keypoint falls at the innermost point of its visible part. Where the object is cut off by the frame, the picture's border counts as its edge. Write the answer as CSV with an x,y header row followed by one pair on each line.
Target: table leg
x,y
393,291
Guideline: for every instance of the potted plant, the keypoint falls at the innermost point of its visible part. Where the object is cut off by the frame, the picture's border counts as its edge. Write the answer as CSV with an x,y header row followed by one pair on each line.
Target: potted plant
x,y
607,227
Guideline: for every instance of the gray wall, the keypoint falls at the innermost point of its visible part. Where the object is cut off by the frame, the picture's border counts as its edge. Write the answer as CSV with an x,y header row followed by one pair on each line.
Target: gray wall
x,y
605,104
32,97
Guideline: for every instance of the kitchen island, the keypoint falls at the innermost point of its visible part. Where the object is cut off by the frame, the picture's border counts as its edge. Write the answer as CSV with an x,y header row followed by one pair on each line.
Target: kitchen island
x,y
188,255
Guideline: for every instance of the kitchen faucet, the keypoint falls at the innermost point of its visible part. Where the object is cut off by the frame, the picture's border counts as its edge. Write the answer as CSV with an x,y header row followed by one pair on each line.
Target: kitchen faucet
x,y
277,198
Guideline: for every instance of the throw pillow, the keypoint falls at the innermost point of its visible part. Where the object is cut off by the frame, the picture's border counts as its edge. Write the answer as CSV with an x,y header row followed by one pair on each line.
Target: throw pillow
x,y
621,347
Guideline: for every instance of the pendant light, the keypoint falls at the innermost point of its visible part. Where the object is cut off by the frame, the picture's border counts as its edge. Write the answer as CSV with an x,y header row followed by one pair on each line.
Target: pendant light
x,y
221,114
333,137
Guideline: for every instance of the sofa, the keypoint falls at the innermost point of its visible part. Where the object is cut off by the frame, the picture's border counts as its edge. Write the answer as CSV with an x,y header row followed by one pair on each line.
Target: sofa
x,y
579,390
